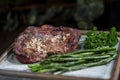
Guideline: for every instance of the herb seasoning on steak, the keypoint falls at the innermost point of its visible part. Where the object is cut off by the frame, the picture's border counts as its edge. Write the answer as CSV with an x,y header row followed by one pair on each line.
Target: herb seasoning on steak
x,y
36,43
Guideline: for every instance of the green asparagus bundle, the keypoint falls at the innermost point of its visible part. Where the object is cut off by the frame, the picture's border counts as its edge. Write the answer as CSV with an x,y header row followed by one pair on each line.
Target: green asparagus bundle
x,y
75,60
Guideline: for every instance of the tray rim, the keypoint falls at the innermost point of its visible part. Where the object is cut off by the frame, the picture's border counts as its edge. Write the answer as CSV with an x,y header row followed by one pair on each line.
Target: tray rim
x,y
114,74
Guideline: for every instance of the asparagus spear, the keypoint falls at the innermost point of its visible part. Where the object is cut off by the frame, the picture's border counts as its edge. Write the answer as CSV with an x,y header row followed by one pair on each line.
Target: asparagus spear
x,y
57,66
63,68
34,67
72,55
85,65
41,67
96,50
86,52
79,61
98,56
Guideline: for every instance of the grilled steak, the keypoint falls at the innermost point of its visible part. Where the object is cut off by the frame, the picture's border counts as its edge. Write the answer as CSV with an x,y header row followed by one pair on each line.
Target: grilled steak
x,y
36,43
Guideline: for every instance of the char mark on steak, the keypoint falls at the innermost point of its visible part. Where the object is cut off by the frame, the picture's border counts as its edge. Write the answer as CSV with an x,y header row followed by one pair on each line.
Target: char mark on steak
x,y
36,43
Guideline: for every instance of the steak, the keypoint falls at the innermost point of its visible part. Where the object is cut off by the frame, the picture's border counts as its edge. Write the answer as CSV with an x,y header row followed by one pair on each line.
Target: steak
x,y
37,43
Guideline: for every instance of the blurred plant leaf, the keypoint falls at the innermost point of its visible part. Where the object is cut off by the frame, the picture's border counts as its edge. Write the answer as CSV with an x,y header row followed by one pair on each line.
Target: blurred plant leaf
x,y
15,23
84,25
11,2
11,22
49,14
80,2
88,10
82,14
32,15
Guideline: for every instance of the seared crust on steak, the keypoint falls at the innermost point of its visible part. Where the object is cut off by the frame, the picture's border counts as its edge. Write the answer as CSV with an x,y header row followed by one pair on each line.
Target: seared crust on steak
x,y
36,43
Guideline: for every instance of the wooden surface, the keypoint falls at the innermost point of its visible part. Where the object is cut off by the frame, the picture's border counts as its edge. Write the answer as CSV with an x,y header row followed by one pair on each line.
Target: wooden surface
x,y
116,71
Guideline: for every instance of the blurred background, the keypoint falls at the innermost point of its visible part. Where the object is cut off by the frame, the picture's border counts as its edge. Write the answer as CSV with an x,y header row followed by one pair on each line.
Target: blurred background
x,y
16,15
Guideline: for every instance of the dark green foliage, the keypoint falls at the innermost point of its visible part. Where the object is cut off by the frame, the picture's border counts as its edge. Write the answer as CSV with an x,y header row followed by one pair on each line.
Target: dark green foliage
x,y
80,14
7,3
87,11
11,22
